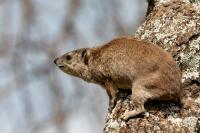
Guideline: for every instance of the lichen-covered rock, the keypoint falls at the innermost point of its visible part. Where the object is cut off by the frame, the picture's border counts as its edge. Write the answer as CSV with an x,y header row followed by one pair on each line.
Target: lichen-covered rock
x,y
175,26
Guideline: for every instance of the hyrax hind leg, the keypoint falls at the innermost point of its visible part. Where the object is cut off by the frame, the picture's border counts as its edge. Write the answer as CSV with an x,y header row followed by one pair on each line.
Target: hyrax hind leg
x,y
139,97
142,90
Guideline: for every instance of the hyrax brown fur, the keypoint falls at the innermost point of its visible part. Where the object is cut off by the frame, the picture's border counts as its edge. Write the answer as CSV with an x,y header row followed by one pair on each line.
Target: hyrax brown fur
x,y
127,63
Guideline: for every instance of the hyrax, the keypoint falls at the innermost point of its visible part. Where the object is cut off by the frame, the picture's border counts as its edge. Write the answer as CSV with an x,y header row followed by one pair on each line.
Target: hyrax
x,y
126,63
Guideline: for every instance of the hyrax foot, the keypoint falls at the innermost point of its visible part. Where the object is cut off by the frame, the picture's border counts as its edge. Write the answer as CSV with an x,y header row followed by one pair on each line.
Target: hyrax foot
x,y
129,114
112,103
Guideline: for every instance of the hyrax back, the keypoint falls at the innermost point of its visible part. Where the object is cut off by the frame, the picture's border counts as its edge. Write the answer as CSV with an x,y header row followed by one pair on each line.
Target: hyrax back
x,y
127,63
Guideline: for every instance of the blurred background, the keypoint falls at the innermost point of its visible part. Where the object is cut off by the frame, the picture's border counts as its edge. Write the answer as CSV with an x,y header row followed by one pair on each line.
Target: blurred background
x,y
35,96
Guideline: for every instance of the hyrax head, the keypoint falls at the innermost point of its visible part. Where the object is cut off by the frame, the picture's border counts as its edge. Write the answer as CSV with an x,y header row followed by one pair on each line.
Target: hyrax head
x,y
75,63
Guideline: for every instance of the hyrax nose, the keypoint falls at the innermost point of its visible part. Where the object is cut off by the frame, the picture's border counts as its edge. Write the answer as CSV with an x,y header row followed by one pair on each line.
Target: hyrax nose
x,y
55,61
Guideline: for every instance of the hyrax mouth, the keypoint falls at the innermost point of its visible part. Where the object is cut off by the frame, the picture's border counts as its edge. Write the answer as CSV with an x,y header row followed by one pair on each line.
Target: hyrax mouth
x,y
57,63
61,67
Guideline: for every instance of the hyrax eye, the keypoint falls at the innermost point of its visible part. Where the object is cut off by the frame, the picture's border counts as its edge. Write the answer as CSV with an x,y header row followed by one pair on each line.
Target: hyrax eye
x,y
68,57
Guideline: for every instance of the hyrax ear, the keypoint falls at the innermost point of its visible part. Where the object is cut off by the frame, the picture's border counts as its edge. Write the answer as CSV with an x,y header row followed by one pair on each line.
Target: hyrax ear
x,y
85,55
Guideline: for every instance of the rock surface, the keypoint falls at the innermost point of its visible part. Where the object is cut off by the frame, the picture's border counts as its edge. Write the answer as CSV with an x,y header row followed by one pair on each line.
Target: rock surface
x,y
175,26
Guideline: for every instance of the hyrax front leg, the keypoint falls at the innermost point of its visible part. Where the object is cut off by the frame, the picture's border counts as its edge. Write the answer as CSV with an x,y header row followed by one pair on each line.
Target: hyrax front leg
x,y
111,91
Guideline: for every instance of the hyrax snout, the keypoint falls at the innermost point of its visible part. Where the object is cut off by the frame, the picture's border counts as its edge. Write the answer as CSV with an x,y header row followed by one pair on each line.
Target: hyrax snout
x,y
127,63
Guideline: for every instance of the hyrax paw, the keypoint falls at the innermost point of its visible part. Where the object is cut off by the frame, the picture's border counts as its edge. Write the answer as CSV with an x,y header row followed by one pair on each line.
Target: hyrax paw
x,y
126,115
112,103
114,100
129,114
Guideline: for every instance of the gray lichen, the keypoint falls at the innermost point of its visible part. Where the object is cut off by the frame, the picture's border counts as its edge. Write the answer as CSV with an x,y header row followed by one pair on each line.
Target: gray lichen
x,y
113,127
176,28
190,59
191,123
